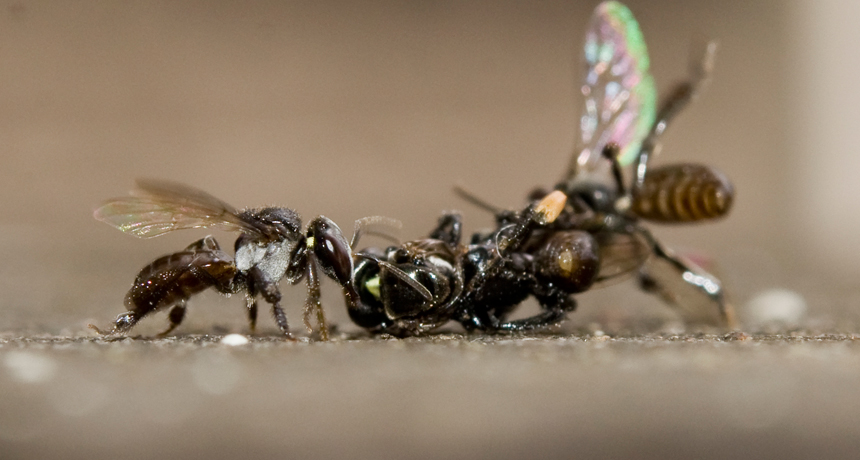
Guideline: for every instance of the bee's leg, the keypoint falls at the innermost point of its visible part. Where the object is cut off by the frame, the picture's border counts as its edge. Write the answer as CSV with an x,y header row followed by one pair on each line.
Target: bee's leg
x,y
555,304
556,308
176,315
508,240
207,243
700,71
123,323
552,315
540,321
449,229
313,304
478,319
251,304
273,296
544,212
693,292
610,152
257,283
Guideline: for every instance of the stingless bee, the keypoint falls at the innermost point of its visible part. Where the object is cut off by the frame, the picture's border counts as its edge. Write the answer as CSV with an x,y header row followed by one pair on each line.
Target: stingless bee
x,y
620,128
271,247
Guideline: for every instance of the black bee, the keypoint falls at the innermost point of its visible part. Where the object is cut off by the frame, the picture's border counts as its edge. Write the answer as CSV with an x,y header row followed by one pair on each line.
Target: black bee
x,y
595,239
420,285
271,247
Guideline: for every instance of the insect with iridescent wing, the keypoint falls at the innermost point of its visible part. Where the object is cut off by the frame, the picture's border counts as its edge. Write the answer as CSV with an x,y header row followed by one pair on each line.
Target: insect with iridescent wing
x,y
620,128
597,239
271,247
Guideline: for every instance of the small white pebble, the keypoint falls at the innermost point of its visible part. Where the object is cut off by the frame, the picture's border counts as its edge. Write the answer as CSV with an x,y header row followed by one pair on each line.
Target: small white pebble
x,y
30,367
777,307
234,340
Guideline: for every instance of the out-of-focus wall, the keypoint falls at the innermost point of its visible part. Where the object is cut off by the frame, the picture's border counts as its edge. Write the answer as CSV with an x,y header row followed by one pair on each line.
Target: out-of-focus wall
x,y
351,109
824,103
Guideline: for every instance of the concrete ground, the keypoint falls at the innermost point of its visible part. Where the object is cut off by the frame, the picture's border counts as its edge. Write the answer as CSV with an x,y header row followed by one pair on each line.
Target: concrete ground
x,y
353,109
445,396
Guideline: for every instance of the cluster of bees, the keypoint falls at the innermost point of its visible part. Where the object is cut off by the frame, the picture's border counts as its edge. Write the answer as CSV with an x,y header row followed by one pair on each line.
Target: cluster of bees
x,y
585,233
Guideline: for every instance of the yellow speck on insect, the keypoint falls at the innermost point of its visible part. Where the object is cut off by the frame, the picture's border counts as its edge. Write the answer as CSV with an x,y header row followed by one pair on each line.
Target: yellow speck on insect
x,y
372,286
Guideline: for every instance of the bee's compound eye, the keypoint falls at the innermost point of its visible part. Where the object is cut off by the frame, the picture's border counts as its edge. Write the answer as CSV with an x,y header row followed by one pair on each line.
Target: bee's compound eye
x,y
331,249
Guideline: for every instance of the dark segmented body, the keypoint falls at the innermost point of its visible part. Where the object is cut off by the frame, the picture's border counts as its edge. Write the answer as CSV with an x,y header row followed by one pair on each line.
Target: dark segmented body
x,y
683,193
569,259
176,277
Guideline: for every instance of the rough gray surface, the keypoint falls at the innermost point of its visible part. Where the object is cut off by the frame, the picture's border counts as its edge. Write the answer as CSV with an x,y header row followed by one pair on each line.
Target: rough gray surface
x,y
352,109
446,396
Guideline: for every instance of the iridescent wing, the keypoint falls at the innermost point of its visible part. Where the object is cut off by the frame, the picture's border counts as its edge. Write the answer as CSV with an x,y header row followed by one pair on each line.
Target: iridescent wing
x,y
619,97
157,207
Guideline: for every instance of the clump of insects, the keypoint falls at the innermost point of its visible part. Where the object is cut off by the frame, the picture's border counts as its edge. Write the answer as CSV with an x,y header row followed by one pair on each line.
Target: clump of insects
x,y
597,236
271,247
587,233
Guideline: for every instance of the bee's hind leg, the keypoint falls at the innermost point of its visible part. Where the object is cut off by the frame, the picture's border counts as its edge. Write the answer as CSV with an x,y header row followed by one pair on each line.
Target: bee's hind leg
x,y
555,311
176,315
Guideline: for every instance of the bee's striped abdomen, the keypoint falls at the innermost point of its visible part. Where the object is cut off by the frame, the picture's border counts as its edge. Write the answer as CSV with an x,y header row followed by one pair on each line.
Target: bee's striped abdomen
x,y
683,193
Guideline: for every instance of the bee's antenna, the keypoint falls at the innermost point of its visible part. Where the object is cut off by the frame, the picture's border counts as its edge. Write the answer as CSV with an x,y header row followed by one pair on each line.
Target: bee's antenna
x,y
401,275
472,198
381,226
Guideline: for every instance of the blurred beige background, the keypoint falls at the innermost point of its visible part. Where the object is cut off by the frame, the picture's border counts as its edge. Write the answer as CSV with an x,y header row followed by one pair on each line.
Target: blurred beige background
x,y
350,109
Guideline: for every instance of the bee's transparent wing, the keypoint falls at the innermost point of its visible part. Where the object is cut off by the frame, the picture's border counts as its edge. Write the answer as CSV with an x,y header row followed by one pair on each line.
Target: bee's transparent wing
x,y
619,96
157,207
621,255
694,293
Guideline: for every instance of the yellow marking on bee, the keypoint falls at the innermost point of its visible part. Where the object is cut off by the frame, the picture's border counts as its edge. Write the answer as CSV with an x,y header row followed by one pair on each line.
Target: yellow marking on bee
x,y
372,286
550,207
310,242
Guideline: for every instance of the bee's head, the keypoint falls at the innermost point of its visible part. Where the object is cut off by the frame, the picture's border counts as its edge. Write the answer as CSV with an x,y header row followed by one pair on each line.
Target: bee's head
x,y
405,281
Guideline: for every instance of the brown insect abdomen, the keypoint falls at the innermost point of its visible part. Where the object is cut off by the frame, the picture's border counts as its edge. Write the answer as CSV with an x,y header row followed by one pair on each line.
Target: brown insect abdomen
x,y
683,193
176,277
570,260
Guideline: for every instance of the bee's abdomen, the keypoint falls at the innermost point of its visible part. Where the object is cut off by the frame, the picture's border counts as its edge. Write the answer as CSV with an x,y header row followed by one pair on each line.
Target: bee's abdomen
x,y
683,193
570,260
176,277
